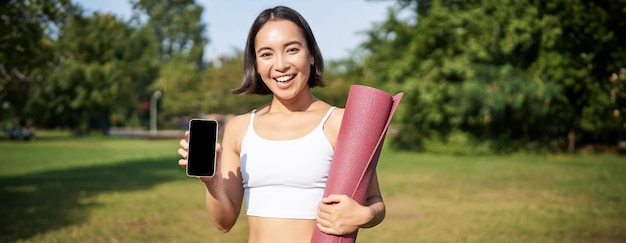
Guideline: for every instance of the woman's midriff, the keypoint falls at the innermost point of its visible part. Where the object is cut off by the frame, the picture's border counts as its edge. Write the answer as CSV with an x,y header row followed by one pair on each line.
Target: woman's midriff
x,y
276,230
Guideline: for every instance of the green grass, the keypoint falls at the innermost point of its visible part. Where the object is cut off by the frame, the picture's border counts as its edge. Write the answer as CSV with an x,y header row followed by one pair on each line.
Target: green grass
x,y
99,189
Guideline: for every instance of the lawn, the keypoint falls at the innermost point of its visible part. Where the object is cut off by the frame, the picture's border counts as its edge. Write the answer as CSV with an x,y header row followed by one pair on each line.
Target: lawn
x,y
98,189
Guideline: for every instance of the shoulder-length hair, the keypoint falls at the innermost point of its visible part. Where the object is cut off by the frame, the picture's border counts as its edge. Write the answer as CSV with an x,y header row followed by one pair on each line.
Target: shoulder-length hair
x,y
252,82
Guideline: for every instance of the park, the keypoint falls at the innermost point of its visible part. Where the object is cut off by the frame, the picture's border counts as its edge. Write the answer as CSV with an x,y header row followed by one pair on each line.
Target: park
x,y
512,127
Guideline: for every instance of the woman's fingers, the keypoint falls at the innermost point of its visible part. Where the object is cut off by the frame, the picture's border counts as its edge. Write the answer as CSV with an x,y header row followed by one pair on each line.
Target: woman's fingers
x,y
182,163
184,144
182,151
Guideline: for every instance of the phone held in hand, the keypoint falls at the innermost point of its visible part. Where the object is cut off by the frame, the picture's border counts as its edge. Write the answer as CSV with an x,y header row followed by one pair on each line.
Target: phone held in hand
x,y
201,152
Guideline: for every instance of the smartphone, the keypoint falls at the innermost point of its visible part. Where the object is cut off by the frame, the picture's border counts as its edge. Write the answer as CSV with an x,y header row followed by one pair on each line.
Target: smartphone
x,y
201,152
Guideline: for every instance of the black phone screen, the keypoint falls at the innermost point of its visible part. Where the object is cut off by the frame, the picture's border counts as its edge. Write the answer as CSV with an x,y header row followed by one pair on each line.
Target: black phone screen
x,y
201,152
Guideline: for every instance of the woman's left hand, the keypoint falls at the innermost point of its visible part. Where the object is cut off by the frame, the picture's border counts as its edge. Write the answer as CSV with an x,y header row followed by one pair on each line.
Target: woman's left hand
x,y
341,215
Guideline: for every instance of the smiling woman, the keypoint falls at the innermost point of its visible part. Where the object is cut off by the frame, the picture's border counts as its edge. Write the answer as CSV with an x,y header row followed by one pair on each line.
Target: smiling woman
x,y
280,44
277,158
283,59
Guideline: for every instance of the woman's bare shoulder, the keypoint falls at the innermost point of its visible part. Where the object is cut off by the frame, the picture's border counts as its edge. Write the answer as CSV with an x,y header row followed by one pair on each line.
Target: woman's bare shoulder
x,y
237,123
332,125
235,129
336,117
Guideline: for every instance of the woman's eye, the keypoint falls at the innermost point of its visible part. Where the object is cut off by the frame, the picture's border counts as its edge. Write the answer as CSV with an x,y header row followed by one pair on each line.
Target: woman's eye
x,y
265,54
292,50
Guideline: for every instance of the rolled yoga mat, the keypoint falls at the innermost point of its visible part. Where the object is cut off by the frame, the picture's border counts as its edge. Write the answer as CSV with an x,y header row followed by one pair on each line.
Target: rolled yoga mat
x,y
366,118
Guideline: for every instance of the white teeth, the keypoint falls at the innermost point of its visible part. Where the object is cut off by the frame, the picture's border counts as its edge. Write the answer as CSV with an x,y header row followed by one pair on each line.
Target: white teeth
x,y
284,79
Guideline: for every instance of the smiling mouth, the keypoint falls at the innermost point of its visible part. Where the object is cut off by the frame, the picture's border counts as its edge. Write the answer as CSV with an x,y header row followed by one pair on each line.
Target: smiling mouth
x,y
285,79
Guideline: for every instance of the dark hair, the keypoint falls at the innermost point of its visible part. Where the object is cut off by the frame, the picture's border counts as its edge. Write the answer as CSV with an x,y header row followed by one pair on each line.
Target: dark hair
x,y
251,82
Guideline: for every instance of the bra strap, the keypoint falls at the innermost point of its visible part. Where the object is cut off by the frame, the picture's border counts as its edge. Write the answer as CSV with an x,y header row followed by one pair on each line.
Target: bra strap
x,y
252,118
330,111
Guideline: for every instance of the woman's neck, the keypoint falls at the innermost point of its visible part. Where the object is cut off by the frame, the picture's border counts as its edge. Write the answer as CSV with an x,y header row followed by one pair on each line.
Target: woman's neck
x,y
301,103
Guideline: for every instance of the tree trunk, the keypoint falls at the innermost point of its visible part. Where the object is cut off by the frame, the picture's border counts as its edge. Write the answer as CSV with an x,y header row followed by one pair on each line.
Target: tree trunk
x,y
571,141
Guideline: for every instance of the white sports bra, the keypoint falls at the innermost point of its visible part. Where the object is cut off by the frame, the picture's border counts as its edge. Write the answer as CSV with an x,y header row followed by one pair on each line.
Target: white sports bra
x,y
285,178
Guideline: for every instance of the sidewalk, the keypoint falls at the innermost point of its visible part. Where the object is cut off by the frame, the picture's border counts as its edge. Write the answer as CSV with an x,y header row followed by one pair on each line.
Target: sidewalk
x,y
138,133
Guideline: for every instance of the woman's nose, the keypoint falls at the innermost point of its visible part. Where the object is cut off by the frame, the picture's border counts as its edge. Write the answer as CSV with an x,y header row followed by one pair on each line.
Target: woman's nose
x,y
281,65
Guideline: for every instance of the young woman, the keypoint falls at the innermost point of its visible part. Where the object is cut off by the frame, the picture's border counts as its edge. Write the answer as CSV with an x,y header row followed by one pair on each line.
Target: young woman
x,y
276,158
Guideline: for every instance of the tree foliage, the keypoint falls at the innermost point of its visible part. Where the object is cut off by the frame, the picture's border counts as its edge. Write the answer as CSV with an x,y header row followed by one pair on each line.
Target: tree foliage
x,y
26,48
494,75
95,77
177,26
64,69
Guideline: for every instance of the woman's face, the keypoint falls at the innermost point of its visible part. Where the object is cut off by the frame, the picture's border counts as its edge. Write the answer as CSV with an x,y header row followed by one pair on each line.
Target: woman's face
x,y
283,59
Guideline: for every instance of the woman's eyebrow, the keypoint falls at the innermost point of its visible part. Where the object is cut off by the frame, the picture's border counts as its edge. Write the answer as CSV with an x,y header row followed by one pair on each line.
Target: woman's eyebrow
x,y
286,44
263,49
293,42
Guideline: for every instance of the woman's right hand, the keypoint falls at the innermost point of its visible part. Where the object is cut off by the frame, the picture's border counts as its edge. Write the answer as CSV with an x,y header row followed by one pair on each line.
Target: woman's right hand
x,y
183,152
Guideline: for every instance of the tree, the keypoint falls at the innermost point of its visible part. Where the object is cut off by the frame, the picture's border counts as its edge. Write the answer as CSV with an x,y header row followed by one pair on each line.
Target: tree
x,y
507,73
588,59
177,26
26,48
97,74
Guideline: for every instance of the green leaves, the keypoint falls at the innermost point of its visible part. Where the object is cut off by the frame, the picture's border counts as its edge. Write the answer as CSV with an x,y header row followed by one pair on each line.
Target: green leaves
x,y
515,72
177,26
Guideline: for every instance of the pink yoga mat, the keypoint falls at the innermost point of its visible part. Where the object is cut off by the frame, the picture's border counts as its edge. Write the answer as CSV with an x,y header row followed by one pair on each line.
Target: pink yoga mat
x,y
366,118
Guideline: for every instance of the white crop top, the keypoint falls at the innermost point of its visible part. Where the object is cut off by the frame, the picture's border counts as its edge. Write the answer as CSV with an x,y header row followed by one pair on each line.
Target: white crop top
x,y
285,178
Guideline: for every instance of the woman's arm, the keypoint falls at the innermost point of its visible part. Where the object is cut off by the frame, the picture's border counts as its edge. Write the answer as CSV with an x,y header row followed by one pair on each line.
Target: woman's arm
x,y
375,204
224,191
224,194
340,214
